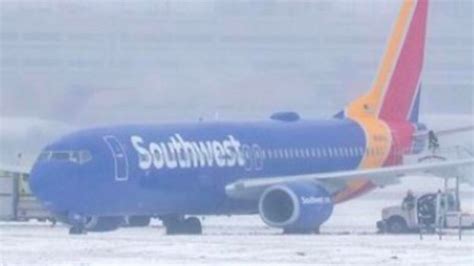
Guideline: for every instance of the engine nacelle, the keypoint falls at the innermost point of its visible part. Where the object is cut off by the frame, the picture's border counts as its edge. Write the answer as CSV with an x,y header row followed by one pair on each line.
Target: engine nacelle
x,y
295,207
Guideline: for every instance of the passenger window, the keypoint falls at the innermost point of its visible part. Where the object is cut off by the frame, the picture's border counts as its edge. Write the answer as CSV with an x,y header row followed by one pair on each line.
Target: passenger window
x,y
280,152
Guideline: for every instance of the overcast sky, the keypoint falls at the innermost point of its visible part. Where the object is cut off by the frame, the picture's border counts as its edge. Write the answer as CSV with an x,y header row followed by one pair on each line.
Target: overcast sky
x,y
134,61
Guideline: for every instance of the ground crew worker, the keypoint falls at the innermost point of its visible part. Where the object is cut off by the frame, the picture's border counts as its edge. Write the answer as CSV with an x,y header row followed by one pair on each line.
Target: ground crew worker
x,y
433,141
409,201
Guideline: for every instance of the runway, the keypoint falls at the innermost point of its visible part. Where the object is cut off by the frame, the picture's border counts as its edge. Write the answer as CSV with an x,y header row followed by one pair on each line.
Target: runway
x,y
348,238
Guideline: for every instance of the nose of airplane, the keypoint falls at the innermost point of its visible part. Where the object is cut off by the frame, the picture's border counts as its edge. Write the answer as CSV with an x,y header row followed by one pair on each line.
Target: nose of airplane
x,y
73,174
53,182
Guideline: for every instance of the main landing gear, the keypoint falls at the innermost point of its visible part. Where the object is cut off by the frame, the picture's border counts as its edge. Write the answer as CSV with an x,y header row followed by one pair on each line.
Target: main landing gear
x,y
81,225
178,225
78,224
77,230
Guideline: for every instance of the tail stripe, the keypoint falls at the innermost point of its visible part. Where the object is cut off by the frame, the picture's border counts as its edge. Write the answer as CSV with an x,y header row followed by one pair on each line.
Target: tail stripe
x,y
394,48
396,84
403,85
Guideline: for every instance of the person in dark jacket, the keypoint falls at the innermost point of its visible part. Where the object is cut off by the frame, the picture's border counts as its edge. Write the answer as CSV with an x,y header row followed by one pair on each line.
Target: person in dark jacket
x,y
409,201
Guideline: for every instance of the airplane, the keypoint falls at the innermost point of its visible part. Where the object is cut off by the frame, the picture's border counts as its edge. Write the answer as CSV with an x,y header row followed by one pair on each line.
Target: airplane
x,y
290,171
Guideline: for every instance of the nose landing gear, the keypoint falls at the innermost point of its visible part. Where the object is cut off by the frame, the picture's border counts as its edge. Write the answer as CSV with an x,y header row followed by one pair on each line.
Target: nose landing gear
x,y
78,224
178,225
77,230
82,224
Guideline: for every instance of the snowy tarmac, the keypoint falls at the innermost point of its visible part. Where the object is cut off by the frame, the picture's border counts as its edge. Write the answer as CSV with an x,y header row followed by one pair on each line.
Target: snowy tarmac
x,y
39,244
349,237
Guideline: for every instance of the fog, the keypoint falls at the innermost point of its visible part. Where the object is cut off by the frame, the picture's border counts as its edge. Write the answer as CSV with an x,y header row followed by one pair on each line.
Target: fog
x,y
86,62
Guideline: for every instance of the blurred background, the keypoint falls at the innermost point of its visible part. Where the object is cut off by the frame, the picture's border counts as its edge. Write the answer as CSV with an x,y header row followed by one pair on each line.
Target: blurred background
x,y
104,62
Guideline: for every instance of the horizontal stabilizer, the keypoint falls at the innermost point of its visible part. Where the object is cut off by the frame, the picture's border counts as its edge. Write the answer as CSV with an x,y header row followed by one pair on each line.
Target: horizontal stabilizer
x,y
446,132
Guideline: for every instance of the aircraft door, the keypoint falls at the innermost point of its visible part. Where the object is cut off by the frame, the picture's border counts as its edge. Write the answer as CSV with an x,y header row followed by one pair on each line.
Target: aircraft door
x,y
119,156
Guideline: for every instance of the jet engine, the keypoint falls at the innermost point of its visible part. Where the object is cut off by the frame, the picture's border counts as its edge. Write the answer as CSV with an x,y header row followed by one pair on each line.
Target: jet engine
x,y
296,207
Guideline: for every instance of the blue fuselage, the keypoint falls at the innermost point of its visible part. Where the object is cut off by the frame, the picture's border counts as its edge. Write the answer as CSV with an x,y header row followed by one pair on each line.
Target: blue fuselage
x,y
184,168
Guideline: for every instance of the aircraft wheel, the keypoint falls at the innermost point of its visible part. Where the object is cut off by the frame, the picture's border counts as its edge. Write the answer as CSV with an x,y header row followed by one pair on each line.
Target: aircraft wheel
x,y
193,226
77,230
139,221
180,226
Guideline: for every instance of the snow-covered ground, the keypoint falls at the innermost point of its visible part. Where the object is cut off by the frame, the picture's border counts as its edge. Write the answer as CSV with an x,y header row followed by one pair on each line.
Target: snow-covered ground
x,y
231,243
347,238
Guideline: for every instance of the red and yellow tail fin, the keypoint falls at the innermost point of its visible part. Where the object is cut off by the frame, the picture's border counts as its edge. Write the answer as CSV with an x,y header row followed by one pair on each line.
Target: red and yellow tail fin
x,y
395,92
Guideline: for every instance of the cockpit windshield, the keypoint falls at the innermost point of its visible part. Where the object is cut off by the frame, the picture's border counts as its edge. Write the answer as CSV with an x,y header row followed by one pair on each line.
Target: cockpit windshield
x,y
60,155
80,157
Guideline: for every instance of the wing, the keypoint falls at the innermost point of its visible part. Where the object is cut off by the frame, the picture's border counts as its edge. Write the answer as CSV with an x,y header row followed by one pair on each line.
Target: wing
x,y
251,188
446,132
